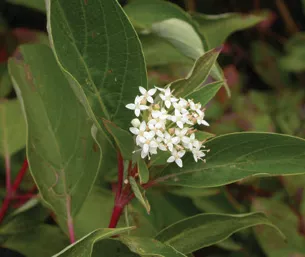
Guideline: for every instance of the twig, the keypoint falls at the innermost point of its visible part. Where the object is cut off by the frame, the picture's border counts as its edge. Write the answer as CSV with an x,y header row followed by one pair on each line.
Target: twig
x,y
11,189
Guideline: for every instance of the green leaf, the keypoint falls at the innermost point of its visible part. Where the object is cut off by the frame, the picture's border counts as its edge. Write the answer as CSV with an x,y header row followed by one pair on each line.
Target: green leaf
x,y
123,139
35,4
199,73
216,28
233,157
12,127
204,230
180,34
158,51
138,194
203,135
143,171
205,93
84,246
281,215
43,240
61,143
144,13
100,53
149,247
113,248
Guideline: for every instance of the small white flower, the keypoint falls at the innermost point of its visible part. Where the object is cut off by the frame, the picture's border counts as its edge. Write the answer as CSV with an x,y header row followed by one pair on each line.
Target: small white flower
x,y
181,106
139,132
167,97
176,157
159,114
147,95
198,154
148,144
181,133
200,119
181,119
170,141
137,106
190,142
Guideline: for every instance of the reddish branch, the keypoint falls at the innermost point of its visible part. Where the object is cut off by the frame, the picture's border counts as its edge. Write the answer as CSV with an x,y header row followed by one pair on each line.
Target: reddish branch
x,y
11,190
123,192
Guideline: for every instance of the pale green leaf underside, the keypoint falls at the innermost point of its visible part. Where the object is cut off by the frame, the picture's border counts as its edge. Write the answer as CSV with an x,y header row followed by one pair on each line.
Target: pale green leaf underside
x,y
96,45
204,230
233,157
63,156
149,247
12,127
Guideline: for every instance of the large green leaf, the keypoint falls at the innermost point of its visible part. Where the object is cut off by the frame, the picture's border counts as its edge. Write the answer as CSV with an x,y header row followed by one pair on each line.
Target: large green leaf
x,y
144,13
199,73
84,246
287,221
5,81
61,148
12,127
113,248
233,157
149,247
204,230
101,53
216,28
42,240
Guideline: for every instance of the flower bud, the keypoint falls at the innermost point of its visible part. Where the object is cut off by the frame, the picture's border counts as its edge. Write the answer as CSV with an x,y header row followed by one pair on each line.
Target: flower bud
x,y
136,123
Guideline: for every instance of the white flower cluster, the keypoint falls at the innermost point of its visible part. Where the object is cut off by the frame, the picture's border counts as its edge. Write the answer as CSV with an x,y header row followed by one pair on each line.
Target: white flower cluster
x,y
167,123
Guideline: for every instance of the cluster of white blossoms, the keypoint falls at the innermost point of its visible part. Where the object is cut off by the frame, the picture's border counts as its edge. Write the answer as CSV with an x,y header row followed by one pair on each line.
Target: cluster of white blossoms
x,y
167,123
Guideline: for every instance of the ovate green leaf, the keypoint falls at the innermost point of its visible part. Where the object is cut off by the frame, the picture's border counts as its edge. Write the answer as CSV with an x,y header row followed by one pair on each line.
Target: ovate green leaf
x,y
216,28
199,73
98,49
63,156
233,157
204,230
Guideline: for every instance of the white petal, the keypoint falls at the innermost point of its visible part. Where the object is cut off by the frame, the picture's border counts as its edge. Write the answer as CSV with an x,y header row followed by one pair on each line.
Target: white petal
x,y
179,162
143,154
137,112
171,159
145,148
181,153
180,124
168,103
205,123
152,91
150,99
162,147
175,140
143,126
142,140
170,147
195,158
162,97
134,131
142,90
130,106
153,144
143,107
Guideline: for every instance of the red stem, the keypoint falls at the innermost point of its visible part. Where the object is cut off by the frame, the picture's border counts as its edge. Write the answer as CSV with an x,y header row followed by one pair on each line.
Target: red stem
x,y
118,207
10,190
